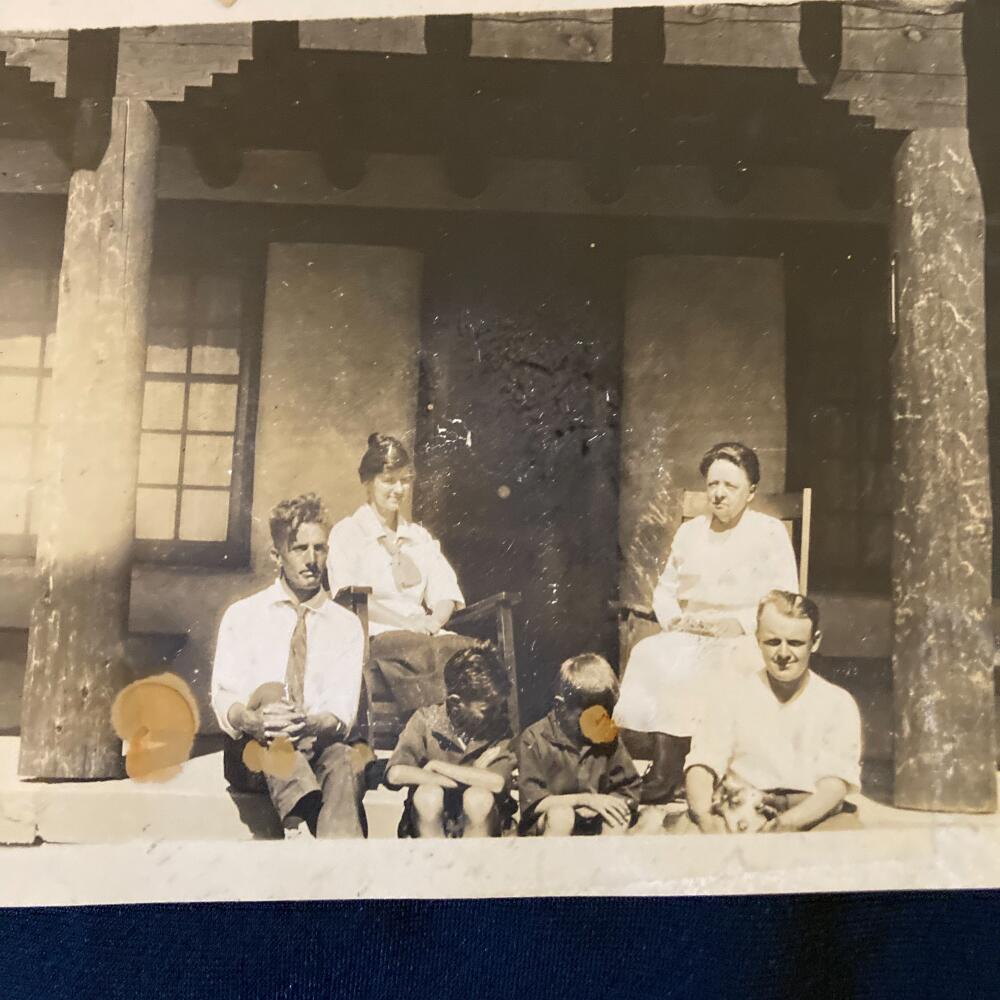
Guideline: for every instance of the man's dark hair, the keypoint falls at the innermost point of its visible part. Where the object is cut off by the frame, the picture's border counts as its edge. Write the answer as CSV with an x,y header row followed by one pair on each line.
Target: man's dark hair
x,y
289,515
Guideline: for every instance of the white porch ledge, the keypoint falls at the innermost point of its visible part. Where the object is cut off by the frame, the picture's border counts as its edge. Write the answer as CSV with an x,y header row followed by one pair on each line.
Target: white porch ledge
x,y
197,805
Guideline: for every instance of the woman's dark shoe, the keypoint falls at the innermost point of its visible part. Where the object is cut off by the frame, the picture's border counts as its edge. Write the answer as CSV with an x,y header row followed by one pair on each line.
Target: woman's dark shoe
x,y
655,791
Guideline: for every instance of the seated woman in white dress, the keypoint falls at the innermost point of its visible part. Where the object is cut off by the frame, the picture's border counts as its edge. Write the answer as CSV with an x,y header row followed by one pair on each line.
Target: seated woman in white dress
x,y
414,589
720,565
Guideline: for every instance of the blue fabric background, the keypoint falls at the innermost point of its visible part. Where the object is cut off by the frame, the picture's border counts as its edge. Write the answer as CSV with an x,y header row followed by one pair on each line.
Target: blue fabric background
x,y
885,946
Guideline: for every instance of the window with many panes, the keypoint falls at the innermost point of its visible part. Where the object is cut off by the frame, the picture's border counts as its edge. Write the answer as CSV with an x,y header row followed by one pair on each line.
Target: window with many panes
x,y
192,461
192,500
28,297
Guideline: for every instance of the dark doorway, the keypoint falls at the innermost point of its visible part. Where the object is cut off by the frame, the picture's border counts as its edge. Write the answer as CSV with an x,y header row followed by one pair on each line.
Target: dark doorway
x,y
518,431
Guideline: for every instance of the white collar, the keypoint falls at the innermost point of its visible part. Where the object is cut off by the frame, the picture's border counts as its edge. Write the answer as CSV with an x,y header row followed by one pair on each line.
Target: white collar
x,y
802,694
372,526
280,593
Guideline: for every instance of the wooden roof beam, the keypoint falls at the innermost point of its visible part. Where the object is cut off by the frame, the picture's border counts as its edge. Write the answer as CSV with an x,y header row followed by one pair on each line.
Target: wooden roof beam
x,y
637,52
448,41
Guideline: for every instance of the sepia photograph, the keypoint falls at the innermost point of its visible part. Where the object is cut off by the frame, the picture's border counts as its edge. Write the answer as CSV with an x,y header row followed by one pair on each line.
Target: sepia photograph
x,y
506,428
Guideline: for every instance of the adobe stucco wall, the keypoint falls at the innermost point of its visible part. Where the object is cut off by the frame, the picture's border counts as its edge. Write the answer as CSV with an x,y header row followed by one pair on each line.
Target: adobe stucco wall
x,y
340,342
704,362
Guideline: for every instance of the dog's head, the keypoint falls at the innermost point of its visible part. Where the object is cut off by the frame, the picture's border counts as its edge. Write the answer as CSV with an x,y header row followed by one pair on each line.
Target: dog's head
x,y
742,807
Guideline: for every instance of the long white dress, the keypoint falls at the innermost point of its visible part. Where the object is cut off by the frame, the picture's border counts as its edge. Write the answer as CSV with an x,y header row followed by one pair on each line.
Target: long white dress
x,y
671,677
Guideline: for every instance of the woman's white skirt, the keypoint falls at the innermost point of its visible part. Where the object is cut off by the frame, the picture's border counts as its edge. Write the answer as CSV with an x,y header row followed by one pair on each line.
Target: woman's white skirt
x,y
672,678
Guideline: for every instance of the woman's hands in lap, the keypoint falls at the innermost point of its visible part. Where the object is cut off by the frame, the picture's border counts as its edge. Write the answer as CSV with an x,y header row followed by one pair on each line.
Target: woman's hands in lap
x,y
423,625
723,628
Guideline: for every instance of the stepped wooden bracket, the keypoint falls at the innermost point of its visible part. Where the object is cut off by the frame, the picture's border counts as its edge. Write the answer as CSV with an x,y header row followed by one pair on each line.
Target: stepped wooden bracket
x,y
36,98
213,131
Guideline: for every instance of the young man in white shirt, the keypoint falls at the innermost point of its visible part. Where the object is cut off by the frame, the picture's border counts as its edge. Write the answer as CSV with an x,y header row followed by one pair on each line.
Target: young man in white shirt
x,y
784,732
287,677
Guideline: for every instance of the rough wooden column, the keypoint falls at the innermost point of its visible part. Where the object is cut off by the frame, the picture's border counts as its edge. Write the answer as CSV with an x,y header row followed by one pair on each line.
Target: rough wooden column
x,y
942,541
85,537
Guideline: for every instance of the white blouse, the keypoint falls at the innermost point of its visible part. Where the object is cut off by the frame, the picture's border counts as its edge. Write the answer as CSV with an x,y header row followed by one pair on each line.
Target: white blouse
x,y
357,558
724,574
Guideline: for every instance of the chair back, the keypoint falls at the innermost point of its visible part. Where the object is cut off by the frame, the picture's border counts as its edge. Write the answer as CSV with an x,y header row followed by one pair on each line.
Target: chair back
x,y
794,509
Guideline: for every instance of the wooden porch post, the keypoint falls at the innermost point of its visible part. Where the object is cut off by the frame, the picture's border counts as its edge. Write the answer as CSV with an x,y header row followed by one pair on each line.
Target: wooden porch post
x,y
80,615
942,540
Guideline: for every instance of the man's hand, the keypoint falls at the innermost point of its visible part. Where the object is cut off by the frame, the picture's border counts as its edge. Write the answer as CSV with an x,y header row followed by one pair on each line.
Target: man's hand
x,y
249,722
326,724
282,719
612,809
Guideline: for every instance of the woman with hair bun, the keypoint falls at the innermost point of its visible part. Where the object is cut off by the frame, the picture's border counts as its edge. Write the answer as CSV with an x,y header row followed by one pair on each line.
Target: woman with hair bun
x,y
720,565
414,589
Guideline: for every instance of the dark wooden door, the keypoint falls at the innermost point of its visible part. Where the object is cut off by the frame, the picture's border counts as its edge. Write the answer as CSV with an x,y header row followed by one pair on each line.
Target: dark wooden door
x,y
518,432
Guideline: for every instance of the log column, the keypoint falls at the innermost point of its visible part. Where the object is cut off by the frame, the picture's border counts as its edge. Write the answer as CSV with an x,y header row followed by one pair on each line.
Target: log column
x,y
942,540
85,538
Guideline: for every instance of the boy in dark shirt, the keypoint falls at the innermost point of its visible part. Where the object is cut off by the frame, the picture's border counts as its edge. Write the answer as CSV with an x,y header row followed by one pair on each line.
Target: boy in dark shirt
x,y
574,774
457,756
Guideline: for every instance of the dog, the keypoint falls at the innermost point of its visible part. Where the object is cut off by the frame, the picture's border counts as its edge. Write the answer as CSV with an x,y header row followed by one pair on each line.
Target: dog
x,y
743,808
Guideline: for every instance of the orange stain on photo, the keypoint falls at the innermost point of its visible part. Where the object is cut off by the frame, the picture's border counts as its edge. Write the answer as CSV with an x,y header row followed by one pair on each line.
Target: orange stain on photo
x,y
597,726
276,759
156,719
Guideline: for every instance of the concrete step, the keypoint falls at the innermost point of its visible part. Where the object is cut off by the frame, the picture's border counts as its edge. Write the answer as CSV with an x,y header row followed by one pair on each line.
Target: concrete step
x,y
196,804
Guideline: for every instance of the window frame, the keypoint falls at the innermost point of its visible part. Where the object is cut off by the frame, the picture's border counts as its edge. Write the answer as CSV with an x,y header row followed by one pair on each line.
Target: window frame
x,y
234,552
23,545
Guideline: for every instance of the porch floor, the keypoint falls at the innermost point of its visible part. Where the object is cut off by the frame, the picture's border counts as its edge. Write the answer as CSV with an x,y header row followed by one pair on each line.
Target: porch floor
x,y
197,805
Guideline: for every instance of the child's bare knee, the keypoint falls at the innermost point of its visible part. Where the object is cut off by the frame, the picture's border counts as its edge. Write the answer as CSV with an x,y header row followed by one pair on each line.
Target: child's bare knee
x,y
559,822
477,804
428,800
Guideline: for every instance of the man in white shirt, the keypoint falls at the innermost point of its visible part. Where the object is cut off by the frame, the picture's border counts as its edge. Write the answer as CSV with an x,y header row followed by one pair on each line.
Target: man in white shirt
x,y
784,731
287,677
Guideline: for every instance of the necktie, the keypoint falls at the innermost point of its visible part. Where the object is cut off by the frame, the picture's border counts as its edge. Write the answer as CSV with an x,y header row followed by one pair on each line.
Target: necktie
x,y
295,673
405,572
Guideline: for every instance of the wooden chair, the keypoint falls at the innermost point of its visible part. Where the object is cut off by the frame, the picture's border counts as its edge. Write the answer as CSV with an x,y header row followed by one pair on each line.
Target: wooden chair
x,y
493,616
636,621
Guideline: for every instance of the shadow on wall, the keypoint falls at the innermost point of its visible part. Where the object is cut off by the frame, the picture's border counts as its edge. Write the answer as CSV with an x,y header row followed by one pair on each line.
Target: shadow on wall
x,y
518,435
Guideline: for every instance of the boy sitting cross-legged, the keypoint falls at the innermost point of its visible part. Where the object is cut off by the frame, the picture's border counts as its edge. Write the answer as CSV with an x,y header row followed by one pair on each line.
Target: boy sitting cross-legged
x,y
456,757
574,774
